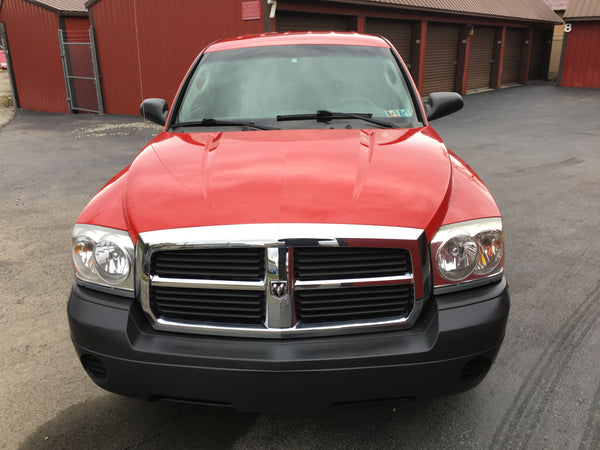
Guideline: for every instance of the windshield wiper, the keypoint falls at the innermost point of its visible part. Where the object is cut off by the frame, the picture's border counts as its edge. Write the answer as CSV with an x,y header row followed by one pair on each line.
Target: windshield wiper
x,y
326,116
218,123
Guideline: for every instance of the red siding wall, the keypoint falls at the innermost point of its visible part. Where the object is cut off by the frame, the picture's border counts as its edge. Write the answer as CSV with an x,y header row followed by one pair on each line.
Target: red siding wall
x,y
170,35
32,34
581,64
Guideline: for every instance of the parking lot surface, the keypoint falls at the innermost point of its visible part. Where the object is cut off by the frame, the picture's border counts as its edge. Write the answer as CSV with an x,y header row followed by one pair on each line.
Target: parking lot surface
x,y
537,147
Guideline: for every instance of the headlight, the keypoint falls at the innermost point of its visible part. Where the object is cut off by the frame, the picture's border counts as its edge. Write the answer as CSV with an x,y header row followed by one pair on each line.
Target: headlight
x,y
468,251
103,257
457,257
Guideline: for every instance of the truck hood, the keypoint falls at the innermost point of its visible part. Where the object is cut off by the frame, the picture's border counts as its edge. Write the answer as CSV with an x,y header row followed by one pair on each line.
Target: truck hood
x,y
372,177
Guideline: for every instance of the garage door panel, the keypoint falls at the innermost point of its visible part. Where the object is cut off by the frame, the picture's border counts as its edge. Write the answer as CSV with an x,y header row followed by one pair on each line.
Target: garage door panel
x,y
399,33
288,21
481,52
511,61
441,54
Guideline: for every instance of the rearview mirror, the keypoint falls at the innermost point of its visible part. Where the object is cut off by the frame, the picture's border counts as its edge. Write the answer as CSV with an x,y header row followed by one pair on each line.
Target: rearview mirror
x,y
441,104
155,110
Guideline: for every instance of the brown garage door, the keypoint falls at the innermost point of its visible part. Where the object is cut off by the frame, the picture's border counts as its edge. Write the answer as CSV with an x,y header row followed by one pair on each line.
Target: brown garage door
x,y
290,21
539,55
397,32
511,62
481,51
441,55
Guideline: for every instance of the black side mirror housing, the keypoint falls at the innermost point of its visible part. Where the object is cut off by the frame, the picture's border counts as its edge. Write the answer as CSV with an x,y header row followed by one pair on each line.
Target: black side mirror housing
x,y
155,110
441,104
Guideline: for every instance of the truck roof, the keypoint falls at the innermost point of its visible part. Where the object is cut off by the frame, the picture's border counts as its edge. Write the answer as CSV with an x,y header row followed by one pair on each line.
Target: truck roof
x,y
298,38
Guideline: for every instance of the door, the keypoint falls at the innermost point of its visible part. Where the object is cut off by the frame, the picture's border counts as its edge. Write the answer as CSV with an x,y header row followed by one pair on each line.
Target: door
x,y
538,61
481,52
441,55
511,61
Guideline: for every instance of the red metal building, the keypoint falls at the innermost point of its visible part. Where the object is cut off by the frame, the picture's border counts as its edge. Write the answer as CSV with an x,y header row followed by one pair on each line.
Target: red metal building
x,y
581,58
145,47
29,30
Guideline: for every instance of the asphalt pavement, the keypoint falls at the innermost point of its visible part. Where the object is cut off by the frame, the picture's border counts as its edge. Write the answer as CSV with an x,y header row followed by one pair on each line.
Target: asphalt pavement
x,y
537,147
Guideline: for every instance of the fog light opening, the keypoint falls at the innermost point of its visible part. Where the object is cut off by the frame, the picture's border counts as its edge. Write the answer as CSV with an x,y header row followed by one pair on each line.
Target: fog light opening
x,y
95,368
475,369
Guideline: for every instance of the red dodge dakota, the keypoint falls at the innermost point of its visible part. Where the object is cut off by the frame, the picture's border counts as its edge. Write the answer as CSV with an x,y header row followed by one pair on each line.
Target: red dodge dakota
x,y
296,236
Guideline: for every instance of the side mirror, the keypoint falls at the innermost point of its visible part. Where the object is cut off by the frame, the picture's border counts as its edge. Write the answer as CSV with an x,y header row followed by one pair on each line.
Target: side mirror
x,y
441,104
155,110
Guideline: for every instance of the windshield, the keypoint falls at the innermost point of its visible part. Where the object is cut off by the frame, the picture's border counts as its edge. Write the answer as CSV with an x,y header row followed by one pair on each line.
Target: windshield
x,y
263,83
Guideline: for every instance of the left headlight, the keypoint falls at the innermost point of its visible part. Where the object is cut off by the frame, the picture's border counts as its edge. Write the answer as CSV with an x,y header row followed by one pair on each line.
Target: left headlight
x,y
468,251
103,258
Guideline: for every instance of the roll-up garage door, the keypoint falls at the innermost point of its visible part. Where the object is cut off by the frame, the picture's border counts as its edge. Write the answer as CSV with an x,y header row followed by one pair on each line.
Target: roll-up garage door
x,y
481,52
511,62
397,32
538,58
291,21
441,55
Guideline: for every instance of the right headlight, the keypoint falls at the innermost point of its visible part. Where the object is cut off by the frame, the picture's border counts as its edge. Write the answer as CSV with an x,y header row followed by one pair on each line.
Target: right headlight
x,y
103,258
468,251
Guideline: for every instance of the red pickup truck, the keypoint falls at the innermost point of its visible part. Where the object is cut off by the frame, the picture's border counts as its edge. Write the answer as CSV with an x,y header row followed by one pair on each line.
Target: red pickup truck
x,y
297,236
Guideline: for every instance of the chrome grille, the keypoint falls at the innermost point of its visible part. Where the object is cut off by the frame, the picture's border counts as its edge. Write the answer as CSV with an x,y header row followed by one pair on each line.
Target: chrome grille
x,y
282,280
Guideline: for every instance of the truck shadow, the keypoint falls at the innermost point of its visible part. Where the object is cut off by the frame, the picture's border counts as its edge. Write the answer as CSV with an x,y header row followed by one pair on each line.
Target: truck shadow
x,y
114,422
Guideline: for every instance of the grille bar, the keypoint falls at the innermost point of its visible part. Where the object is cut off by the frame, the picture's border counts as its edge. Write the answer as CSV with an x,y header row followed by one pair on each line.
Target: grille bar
x,y
352,282
207,284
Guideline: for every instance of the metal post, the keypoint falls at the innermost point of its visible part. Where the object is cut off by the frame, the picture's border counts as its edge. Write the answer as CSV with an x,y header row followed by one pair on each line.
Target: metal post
x,y
63,57
96,71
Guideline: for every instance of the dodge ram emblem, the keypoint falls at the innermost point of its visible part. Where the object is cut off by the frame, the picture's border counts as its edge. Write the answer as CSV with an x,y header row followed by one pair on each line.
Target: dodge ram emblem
x,y
278,288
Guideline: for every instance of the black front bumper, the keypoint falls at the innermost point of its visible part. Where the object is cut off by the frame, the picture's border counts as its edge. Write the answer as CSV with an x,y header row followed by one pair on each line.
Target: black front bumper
x,y
449,350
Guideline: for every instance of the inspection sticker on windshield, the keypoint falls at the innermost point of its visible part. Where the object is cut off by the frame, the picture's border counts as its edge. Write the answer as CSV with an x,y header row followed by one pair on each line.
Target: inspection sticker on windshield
x,y
397,113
